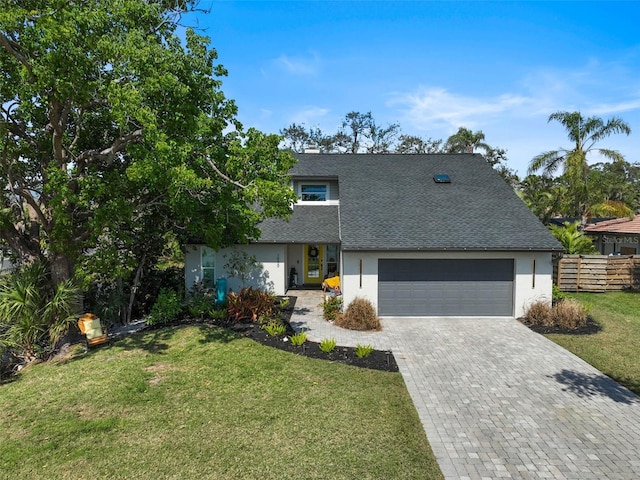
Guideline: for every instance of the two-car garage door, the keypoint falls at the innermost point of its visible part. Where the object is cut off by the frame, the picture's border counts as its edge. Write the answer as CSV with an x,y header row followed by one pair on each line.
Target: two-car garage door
x,y
445,287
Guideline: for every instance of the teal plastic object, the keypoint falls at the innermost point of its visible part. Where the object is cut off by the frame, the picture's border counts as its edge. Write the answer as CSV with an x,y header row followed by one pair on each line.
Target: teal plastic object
x,y
221,290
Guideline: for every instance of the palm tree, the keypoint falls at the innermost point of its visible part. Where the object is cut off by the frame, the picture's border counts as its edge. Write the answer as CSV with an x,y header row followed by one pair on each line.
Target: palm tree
x,y
465,141
585,133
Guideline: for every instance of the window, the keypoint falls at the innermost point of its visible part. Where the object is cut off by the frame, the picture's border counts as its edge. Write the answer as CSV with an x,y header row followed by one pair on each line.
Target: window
x,y
313,192
208,266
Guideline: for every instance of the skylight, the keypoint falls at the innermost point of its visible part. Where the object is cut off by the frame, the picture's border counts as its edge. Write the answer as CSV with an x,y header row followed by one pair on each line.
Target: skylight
x,y
441,178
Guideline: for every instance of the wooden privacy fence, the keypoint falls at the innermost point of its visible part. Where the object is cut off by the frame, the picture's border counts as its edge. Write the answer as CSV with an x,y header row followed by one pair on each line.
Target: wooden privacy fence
x,y
596,273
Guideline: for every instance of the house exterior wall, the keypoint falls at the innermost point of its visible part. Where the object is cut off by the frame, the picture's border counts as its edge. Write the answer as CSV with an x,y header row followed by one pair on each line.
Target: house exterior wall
x,y
270,275
610,244
360,273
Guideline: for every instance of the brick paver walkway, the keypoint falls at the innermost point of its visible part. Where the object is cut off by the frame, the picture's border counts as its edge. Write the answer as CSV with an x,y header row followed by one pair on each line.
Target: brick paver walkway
x,y
499,401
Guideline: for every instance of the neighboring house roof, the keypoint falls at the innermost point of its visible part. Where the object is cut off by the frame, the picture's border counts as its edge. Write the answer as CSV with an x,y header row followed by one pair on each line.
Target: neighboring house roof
x,y
391,202
616,226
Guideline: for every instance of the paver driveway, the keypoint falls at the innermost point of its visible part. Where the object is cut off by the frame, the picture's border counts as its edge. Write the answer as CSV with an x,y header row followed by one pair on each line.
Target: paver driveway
x,y
499,401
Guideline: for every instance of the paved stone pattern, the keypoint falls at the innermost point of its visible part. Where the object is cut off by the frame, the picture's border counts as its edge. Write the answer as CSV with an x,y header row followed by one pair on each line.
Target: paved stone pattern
x,y
499,401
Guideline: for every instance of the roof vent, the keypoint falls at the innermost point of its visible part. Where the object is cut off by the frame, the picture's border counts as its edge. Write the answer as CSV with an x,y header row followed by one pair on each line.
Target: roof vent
x,y
441,178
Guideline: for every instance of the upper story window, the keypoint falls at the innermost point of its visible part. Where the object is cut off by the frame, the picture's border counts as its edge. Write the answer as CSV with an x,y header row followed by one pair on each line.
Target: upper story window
x,y
314,192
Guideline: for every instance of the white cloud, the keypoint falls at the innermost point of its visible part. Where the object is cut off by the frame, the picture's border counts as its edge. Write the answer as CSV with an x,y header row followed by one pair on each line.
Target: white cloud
x,y
299,65
310,115
429,107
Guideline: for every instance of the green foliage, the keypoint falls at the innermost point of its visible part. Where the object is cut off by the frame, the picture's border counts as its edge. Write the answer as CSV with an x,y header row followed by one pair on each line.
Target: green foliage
x,y
167,308
298,339
362,351
327,345
34,315
557,295
572,239
249,303
118,143
275,329
201,302
359,315
583,133
284,303
331,307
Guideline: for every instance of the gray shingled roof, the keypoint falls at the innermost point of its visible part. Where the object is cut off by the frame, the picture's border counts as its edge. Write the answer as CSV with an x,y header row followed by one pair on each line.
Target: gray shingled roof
x,y
390,202
307,224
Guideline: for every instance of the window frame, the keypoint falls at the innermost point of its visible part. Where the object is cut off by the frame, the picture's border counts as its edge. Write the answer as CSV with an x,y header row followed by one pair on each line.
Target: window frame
x,y
326,186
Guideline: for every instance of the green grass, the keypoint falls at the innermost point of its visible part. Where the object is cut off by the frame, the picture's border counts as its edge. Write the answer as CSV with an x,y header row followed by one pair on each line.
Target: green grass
x,y
199,402
615,350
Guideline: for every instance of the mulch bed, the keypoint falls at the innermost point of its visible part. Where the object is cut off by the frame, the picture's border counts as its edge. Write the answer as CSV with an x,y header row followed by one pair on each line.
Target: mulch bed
x,y
377,360
589,328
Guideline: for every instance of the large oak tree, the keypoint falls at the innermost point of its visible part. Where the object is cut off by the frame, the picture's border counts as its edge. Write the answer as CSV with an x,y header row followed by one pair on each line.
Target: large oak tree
x,y
114,130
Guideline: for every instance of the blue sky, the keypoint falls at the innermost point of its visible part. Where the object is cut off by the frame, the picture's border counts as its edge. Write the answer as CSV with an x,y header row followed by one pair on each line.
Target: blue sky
x,y
500,67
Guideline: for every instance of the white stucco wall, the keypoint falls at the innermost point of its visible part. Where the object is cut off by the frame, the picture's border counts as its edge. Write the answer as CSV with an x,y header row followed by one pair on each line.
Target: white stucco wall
x,y
526,290
271,275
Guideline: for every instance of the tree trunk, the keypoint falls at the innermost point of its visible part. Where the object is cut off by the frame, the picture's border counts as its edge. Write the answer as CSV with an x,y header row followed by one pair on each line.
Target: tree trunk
x,y
61,268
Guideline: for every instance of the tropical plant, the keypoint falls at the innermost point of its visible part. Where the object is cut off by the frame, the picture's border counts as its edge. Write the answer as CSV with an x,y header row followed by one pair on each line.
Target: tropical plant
x,y
584,133
298,339
34,315
327,345
466,141
249,303
572,238
362,351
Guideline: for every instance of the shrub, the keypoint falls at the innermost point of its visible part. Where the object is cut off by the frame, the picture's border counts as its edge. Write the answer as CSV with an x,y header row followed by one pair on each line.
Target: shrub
x,y
566,315
298,339
167,308
557,294
359,315
273,326
201,302
275,329
34,315
539,313
328,345
249,303
569,315
331,307
363,350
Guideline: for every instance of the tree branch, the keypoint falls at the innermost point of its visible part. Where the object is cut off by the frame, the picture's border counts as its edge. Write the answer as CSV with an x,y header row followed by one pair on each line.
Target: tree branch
x,y
12,49
223,176
109,153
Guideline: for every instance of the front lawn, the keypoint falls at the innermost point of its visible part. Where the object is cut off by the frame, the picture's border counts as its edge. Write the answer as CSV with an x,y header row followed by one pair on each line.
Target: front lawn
x,y
200,402
615,349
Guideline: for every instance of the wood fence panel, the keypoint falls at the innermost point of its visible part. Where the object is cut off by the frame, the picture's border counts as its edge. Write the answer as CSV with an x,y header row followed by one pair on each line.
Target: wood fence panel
x,y
597,273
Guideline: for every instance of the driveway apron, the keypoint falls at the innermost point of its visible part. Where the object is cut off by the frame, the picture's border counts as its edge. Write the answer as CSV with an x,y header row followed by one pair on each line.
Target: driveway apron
x,y
499,401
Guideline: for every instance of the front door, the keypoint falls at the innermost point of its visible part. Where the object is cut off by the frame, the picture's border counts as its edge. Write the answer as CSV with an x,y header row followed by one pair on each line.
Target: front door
x,y
313,264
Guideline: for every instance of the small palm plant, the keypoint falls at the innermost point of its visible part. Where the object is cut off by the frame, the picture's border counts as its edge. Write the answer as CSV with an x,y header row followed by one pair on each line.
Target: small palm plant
x,y
33,315
572,239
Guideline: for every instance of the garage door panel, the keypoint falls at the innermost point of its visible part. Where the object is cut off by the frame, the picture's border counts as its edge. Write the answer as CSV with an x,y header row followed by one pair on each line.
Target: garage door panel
x,y
441,287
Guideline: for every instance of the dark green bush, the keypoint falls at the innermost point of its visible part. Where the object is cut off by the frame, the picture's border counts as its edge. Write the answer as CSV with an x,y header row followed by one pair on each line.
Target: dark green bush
x,y
331,307
168,308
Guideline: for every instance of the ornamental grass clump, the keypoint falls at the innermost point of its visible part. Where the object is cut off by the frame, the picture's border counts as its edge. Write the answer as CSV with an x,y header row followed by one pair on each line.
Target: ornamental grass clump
x,y
569,315
566,315
359,315
539,313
